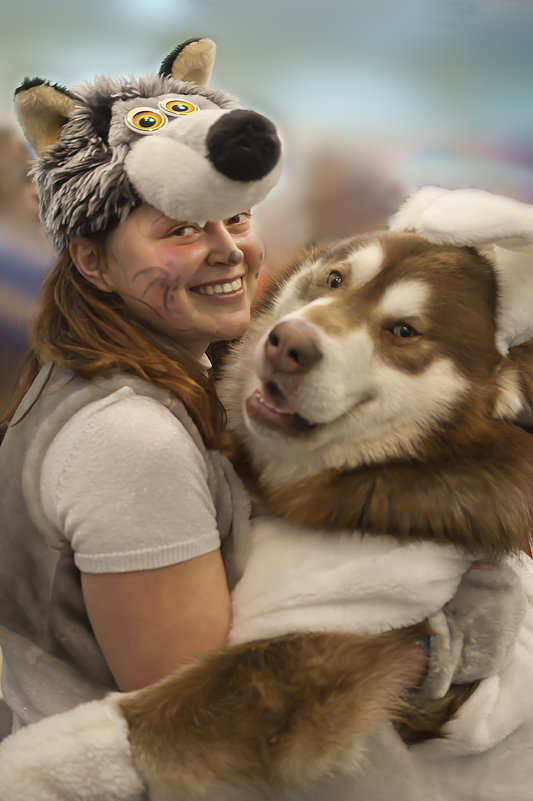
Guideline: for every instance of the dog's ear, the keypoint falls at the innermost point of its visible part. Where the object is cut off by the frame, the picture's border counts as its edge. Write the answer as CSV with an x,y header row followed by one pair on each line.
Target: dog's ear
x,y
515,385
42,109
499,227
191,61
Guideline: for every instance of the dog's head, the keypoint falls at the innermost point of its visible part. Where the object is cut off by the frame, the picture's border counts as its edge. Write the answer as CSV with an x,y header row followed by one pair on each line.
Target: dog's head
x,y
373,350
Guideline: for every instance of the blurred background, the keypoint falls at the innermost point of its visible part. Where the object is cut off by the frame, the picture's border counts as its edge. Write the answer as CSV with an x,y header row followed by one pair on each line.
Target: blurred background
x,y
374,98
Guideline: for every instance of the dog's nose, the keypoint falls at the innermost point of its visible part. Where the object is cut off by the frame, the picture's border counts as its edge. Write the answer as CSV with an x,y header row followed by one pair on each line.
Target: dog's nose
x,y
292,346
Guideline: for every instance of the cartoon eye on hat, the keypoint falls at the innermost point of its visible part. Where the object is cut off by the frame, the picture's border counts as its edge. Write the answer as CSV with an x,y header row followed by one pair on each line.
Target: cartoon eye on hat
x,y
175,106
144,119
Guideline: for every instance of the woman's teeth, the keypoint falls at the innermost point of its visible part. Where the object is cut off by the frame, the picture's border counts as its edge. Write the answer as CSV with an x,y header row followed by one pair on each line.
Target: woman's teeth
x,y
220,289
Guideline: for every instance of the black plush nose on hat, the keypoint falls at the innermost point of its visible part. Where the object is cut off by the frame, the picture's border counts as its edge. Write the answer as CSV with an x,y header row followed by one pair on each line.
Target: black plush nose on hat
x,y
243,145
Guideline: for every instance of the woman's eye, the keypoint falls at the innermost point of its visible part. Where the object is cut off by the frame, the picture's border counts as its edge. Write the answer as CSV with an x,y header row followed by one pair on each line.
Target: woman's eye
x,y
145,119
334,279
240,219
183,230
403,330
177,107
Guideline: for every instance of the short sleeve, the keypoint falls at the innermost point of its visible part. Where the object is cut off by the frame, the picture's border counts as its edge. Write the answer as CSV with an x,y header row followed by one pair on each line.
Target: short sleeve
x,y
126,485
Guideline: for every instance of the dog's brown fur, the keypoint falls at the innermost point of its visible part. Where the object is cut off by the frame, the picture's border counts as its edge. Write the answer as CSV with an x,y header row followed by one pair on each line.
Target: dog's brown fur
x,y
272,714
478,489
279,713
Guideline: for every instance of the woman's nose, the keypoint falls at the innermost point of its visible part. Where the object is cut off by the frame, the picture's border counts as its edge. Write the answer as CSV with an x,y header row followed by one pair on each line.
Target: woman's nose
x,y
222,247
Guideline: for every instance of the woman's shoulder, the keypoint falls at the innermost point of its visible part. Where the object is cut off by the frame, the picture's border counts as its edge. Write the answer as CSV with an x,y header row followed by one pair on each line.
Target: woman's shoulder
x,y
126,486
122,446
126,421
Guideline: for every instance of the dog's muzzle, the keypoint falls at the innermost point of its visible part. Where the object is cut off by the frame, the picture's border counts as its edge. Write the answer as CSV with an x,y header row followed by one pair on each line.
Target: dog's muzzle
x,y
292,347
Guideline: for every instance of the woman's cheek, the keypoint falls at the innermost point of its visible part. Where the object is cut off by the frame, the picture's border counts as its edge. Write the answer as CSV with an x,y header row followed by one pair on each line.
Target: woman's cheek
x,y
148,309
252,284
254,252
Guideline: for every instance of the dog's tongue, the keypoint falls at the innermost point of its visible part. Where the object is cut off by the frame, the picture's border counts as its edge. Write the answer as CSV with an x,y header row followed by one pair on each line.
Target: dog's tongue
x,y
275,400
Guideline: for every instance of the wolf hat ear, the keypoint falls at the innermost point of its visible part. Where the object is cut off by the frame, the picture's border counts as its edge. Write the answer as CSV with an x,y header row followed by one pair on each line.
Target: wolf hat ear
x,y
500,227
42,109
191,61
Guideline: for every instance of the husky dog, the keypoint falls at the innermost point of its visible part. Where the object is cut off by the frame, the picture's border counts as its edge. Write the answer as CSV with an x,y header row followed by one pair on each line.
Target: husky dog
x,y
367,402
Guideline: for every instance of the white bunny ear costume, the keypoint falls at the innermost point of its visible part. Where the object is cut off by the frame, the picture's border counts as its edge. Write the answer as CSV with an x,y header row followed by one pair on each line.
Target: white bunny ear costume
x,y
497,225
495,725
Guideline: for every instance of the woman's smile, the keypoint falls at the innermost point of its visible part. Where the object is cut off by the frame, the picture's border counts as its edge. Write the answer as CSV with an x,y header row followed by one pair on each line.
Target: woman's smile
x,y
230,288
194,283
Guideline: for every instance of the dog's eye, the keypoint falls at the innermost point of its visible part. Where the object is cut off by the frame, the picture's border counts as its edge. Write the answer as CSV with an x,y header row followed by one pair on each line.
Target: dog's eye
x,y
334,279
403,330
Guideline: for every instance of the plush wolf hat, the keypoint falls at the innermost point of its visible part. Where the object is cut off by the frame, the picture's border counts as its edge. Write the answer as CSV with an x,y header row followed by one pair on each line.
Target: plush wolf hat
x,y
167,140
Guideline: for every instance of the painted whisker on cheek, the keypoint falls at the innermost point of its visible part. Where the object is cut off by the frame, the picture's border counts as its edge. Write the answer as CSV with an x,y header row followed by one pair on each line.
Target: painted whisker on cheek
x,y
160,276
141,300
170,292
149,286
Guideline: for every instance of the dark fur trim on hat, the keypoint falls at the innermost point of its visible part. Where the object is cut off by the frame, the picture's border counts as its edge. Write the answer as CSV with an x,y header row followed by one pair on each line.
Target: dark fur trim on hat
x,y
29,83
101,116
165,70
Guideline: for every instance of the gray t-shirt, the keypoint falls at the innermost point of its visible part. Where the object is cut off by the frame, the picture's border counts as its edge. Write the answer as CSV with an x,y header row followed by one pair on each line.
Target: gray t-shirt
x,y
126,484
124,458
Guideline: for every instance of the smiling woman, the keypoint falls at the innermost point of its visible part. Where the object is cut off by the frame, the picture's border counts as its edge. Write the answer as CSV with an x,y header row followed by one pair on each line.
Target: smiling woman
x,y
117,500
198,282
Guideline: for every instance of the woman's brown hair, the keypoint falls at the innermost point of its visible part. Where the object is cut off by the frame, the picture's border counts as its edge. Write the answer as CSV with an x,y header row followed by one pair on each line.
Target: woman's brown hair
x,y
92,333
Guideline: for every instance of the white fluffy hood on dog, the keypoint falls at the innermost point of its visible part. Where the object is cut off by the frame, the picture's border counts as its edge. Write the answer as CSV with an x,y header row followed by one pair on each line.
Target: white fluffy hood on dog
x,y
482,754
301,580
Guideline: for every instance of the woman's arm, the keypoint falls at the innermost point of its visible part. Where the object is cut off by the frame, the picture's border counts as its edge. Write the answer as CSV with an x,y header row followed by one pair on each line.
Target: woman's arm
x,y
149,622
128,487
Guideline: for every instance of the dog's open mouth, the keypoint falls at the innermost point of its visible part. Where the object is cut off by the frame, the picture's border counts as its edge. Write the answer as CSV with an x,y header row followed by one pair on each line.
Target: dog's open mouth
x,y
269,407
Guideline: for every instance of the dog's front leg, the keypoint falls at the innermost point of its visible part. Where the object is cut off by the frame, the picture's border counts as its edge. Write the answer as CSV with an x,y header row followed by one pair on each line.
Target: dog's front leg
x,y
268,716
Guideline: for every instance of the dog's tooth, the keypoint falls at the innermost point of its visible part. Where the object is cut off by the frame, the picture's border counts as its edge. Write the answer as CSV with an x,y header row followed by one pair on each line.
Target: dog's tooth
x,y
210,290
226,287
218,289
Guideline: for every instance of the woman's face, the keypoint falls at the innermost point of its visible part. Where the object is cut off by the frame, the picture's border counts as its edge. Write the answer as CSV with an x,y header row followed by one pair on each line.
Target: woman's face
x,y
194,284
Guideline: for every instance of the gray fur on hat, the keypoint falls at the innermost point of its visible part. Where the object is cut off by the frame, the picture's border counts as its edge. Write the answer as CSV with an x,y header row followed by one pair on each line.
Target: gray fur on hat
x,y
106,147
